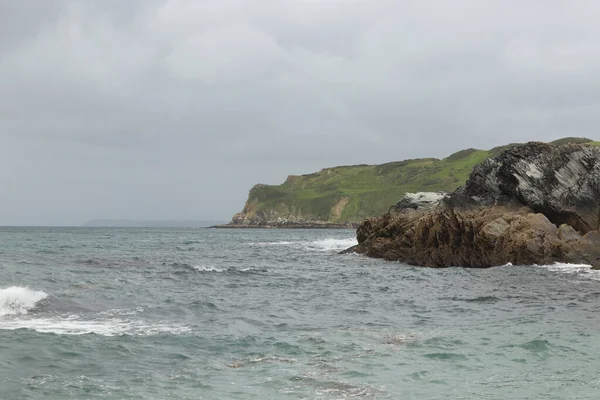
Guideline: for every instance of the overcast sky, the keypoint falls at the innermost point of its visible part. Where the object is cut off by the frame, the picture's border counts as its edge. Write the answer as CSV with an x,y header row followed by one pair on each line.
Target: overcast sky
x,y
156,109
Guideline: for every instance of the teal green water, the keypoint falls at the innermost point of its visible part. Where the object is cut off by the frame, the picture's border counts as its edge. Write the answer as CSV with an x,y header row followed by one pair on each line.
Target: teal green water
x,y
278,314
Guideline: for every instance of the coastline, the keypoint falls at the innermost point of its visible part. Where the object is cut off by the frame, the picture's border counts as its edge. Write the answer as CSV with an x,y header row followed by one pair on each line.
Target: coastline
x,y
287,226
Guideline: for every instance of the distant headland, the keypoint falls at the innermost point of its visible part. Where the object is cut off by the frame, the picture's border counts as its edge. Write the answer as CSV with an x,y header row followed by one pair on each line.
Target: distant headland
x,y
344,196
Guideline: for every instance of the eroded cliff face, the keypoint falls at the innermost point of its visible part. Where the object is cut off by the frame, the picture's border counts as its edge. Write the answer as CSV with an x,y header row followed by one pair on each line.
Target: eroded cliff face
x,y
270,217
534,203
284,216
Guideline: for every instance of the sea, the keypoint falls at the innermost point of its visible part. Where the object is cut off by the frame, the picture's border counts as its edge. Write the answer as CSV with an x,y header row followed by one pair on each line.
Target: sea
x,y
101,313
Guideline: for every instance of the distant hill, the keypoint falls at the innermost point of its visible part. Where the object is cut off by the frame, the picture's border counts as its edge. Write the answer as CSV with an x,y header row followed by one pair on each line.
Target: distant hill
x,y
349,194
125,223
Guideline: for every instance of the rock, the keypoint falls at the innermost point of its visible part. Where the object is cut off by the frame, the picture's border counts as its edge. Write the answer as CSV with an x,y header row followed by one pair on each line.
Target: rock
x,y
531,204
420,200
567,233
349,250
561,182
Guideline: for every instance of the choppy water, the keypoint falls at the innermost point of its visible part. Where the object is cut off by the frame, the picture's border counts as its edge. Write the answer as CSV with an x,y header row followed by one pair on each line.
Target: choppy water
x,y
270,314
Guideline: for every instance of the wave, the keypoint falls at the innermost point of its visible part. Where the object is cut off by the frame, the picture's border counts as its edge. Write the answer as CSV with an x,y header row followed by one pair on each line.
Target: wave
x,y
91,261
210,268
111,327
283,243
122,311
478,299
573,269
17,300
331,244
264,359
328,244
184,268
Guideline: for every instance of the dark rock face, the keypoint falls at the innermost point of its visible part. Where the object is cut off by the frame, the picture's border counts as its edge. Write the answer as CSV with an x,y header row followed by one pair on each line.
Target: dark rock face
x,y
561,182
531,204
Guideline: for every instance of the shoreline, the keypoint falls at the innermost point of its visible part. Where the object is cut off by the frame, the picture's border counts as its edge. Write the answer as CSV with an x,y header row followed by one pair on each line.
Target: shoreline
x,y
289,226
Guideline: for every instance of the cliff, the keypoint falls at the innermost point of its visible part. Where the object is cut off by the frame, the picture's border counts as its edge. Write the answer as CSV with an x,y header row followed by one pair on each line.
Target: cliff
x,y
531,204
343,196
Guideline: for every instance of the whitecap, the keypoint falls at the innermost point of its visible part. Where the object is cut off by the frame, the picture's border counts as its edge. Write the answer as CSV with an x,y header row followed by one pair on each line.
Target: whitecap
x,y
252,270
73,325
281,243
573,269
331,244
207,268
17,300
327,244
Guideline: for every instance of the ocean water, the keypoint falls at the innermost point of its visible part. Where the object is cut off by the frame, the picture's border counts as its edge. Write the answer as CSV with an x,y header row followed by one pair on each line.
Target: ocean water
x,y
278,314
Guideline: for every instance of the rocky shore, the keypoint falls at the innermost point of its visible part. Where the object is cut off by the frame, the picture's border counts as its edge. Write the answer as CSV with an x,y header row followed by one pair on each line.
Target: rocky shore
x,y
531,204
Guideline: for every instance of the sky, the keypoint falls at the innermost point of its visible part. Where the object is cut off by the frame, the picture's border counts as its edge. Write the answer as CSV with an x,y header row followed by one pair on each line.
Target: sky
x,y
174,109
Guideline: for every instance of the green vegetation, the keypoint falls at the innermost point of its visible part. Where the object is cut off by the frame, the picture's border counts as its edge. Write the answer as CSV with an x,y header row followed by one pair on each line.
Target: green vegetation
x,y
576,140
353,193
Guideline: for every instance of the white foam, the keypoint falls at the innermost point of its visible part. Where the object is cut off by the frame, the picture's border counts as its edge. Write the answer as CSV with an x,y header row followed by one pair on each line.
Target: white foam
x,y
74,326
282,243
331,244
252,270
328,244
573,269
207,268
19,300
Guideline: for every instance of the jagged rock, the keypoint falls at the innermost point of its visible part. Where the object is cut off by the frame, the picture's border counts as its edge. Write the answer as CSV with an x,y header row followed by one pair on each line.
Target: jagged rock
x,y
561,182
531,204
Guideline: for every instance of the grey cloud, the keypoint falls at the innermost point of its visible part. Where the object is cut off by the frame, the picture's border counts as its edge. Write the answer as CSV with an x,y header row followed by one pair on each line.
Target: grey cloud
x,y
174,109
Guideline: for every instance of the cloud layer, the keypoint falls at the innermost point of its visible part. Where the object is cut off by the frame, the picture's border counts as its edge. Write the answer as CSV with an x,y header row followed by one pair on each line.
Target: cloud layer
x,y
157,109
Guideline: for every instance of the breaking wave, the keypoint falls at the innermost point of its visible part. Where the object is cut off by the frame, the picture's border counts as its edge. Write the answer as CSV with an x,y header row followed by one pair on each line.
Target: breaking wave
x,y
17,300
331,244
328,244
185,268
281,243
111,327
230,270
583,270
208,268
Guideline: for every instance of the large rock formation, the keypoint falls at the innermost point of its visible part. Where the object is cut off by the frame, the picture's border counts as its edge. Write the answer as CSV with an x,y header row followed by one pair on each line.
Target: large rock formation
x,y
532,204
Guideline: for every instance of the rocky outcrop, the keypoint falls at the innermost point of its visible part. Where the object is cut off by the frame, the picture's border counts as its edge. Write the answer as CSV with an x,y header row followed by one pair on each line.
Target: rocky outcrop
x,y
261,219
531,204
561,182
